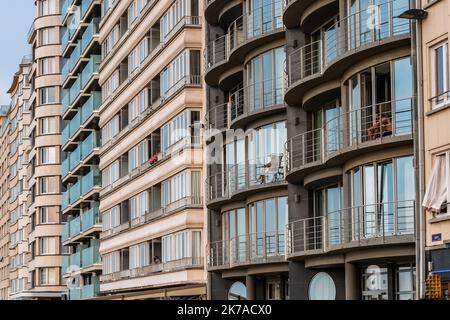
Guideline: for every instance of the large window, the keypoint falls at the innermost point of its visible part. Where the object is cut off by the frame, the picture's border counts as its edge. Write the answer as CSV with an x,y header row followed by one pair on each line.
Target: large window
x,y
263,16
139,205
48,125
49,245
383,198
181,246
265,80
179,128
184,188
322,287
48,95
380,102
175,14
49,155
328,203
48,7
49,276
440,74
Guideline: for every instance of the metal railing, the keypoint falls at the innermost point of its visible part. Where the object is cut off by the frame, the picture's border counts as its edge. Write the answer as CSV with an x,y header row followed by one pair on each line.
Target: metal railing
x,y
253,24
247,249
357,127
350,227
246,175
439,100
155,268
369,26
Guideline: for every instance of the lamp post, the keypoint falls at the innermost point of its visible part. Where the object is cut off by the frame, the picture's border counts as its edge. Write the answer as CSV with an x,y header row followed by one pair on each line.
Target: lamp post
x,y
417,15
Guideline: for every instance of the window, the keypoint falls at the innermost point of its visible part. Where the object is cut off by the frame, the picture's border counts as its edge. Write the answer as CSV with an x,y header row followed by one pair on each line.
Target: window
x,y
139,205
440,75
48,7
139,256
48,36
182,245
181,187
437,195
49,185
48,155
383,198
111,218
48,245
49,276
322,287
49,215
48,66
48,95
48,125
238,291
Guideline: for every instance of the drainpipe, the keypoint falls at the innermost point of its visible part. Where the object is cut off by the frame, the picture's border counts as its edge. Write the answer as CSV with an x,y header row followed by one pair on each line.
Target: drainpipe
x,y
419,153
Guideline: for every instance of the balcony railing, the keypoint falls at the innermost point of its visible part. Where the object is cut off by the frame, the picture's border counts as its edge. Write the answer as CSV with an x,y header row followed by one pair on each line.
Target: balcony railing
x,y
74,294
90,219
90,144
88,35
90,257
246,175
90,291
347,35
91,105
217,117
156,268
248,249
359,127
253,24
90,181
90,70
75,158
351,227
75,90
187,80
75,227
440,100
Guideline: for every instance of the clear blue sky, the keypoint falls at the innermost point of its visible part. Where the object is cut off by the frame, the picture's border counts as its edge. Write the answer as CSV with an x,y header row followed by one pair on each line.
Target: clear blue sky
x,y
16,17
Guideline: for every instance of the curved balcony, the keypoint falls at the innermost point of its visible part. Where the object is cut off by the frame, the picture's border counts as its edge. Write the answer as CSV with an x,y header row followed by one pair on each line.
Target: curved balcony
x,y
247,104
242,179
248,249
298,13
216,10
345,42
351,133
246,33
375,224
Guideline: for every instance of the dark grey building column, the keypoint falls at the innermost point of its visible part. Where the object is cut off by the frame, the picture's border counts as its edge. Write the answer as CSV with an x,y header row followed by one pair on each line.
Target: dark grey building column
x,y
251,287
352,282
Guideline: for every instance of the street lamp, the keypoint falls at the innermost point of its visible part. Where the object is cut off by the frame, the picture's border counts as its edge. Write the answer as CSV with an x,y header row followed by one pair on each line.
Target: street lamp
x,y
414,14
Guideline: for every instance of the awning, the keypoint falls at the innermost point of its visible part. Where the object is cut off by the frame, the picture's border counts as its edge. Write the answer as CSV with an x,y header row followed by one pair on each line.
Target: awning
x,y
436,193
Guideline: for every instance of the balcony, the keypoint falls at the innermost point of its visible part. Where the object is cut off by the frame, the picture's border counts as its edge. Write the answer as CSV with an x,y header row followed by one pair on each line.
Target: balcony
x,y
365,129
75,192
91,106
243,178
90,257
90,291
375,224
90,181
245,34
90,71
249,249
90,33
75,259
215,10
75,158
154,269
90,219
347,41
75,90
65,200
75,227
90,145
66,232
65,167
86,6
74,294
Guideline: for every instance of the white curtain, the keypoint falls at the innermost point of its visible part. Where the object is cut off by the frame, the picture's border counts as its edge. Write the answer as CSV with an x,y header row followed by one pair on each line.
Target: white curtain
x,y
436,193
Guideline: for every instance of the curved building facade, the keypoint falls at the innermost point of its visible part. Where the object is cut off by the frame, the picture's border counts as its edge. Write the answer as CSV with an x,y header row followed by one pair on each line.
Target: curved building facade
x,y
246,120
350,155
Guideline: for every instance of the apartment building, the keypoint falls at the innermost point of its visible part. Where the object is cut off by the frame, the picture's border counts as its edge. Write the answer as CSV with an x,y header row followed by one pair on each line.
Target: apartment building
x,y
4,204
350,154
247,194
44,160
436,141
19,117
81,179
151,157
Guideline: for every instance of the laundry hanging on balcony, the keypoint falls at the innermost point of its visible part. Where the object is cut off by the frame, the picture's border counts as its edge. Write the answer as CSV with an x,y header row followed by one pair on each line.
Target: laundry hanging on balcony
x,y
436,192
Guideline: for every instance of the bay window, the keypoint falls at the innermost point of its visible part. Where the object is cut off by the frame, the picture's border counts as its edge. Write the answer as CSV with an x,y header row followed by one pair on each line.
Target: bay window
x,y
49,245
49,276
383,198
181,246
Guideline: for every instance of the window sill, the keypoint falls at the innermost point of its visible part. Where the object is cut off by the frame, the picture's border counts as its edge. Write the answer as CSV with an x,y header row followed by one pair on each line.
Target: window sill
x,y
440,218
438,109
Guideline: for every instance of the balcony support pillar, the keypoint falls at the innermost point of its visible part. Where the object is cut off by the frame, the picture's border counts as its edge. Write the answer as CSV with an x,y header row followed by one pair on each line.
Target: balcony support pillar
x,y
352,284
251,287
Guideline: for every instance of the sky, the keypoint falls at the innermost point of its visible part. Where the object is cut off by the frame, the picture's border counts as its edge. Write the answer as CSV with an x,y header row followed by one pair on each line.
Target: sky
x,y
16,18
